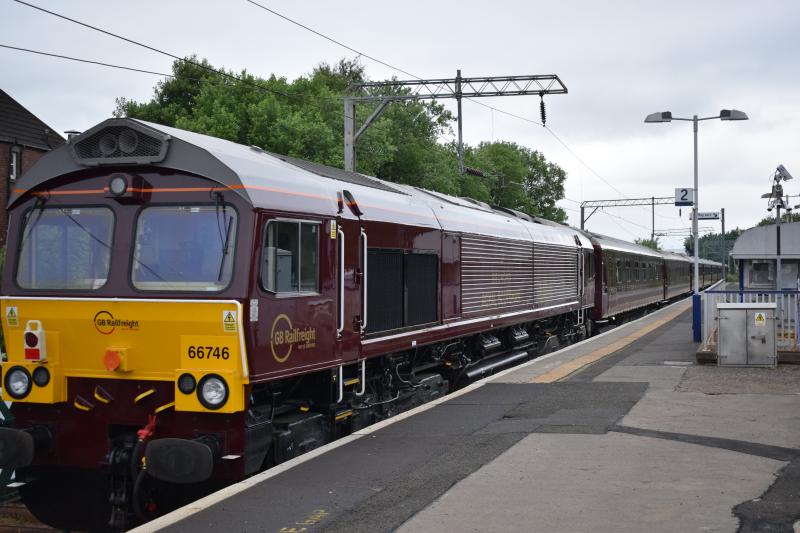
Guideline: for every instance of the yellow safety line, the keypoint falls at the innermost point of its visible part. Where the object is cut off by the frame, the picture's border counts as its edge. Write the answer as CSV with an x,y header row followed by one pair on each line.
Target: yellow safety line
x,y
570,367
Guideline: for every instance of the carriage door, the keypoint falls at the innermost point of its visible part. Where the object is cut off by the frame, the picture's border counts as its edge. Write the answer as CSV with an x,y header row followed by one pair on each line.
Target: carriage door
x,y
351,273
579,275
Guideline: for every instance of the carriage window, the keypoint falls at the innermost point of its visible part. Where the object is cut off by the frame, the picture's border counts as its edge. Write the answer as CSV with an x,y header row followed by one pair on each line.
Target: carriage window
x,y
290,261
65,248
184,248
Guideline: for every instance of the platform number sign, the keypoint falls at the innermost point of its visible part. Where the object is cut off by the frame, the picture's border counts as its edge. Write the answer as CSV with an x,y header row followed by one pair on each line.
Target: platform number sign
x,y
684,196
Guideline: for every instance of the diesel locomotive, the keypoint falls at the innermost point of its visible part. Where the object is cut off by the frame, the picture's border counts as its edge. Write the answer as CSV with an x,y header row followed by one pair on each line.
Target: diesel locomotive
x,y
181,311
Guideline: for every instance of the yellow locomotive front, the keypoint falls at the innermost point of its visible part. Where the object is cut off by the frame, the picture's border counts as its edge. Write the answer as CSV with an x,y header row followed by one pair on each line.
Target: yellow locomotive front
x,y
124,329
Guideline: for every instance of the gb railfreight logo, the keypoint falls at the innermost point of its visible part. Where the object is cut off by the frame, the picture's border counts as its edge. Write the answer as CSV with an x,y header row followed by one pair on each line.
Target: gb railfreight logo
x,y
105,323
284,337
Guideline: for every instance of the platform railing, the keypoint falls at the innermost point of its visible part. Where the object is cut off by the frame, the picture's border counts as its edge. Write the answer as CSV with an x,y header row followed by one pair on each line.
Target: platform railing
x,y
786,314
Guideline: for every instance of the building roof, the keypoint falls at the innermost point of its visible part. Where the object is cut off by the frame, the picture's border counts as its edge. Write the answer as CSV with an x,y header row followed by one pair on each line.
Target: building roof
x,y
761,242
20,126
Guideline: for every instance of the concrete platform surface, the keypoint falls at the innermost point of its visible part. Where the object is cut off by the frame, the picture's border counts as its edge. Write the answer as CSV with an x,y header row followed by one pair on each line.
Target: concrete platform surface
x,y
620,433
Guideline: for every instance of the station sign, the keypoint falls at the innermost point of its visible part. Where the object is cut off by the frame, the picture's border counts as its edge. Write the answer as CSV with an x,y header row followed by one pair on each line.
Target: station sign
x,y
707,215
684,196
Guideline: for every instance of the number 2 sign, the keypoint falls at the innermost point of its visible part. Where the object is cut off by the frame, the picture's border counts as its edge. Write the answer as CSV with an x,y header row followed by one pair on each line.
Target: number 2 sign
x,y
684,196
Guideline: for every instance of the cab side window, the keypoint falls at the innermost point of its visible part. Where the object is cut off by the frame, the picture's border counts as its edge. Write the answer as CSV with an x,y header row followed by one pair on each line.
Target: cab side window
x,y
290,257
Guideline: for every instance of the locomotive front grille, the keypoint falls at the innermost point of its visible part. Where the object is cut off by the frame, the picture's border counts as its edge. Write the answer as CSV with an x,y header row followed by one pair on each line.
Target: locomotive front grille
x,y
128,142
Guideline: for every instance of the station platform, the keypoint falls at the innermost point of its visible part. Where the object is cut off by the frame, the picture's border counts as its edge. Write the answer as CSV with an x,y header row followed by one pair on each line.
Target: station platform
x,y
623,432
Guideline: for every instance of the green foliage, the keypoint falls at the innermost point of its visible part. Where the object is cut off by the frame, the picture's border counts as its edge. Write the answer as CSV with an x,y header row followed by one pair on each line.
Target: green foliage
x,y
712,245
650,243
785,218
303,118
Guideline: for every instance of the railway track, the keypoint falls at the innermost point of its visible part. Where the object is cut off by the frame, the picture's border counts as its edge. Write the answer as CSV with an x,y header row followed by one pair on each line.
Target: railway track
x,y
15,518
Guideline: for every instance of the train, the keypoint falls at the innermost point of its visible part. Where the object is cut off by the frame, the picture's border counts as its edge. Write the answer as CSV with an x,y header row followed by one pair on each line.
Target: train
x,y
181,312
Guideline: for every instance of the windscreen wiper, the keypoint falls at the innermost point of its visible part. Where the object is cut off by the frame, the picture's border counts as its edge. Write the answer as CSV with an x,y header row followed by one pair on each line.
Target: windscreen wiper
x,y
228,228
38,207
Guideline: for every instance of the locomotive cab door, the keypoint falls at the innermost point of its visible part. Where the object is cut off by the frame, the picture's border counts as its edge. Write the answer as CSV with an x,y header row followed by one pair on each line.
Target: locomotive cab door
x,y
580,281
351,281
293,309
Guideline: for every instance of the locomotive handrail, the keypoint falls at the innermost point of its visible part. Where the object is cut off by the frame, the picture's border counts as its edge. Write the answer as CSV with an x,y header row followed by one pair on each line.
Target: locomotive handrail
x,y
340,383
340,325
363,385
364,284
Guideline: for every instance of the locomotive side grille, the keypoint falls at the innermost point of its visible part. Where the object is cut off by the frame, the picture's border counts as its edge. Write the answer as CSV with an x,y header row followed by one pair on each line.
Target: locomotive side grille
x,y
556,273
120,144
385,290
402,289
496,275
422,276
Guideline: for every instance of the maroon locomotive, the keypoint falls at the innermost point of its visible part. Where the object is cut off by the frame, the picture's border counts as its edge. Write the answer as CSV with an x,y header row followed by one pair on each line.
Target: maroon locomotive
x,y
183,310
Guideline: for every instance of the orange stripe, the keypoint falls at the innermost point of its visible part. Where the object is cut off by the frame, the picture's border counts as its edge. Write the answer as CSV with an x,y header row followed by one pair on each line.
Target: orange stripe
x,y
82,192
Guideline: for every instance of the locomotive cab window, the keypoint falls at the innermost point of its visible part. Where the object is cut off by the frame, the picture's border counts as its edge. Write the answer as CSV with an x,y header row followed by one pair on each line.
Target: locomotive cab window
x,y
290,259
184,248
65,248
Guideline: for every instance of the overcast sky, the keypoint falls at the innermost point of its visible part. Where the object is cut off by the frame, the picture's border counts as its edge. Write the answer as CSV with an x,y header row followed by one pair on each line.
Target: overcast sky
x,y
619,60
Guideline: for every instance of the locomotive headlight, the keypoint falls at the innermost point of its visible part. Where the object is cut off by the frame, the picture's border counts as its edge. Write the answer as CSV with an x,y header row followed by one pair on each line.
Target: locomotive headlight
x,y
17,382
212,391
118,184
186,383
41,376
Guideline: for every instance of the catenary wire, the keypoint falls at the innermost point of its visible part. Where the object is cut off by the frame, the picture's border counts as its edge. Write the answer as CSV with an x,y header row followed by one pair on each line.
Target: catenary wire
x,y
384,63
162,52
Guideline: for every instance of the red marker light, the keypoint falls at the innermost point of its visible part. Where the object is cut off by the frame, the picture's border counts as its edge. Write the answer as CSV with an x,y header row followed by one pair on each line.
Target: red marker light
x,y
34,341
31,339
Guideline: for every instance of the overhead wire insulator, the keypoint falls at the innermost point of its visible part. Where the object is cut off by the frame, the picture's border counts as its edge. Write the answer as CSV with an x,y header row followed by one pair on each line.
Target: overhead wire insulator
x,y
542,109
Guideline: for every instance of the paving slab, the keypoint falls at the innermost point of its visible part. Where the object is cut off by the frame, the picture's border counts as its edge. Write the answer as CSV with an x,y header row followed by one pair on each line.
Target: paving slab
x,y
759,418
601,483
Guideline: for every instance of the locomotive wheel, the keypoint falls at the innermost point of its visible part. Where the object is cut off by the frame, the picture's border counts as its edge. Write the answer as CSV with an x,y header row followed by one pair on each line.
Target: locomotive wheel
x,y
53,497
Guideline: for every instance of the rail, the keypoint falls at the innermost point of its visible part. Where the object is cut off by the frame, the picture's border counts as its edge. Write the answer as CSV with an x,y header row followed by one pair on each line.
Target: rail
x,y
786,314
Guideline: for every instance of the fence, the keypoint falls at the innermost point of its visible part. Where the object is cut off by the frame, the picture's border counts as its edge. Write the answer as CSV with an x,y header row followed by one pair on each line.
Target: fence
x,y
786,314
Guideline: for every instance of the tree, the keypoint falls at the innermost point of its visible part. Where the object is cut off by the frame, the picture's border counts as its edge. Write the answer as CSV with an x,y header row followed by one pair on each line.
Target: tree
x,y
303,119
650,243
785,219
711,244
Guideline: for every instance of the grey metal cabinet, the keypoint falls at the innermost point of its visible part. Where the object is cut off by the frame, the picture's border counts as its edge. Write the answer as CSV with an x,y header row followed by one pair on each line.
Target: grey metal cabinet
x,y
746,334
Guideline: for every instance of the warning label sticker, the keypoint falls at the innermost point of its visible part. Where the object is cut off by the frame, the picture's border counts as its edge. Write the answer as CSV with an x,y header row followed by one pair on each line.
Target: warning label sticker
x,y
760,319
333,229
229,321
12,317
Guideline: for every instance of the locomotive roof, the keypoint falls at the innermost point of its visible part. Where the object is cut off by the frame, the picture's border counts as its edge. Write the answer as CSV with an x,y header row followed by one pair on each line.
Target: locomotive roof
x,y
611,243
278,182
244,169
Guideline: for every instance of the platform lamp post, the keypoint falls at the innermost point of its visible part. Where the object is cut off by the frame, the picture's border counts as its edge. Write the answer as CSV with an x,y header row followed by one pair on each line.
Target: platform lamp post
x,y
666,116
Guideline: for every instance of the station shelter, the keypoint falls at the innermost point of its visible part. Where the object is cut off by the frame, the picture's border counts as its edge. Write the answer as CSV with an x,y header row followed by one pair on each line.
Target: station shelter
x,y
756,253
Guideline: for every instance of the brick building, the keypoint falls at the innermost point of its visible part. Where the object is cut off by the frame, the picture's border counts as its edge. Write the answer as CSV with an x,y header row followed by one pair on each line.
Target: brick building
x,y
23,140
